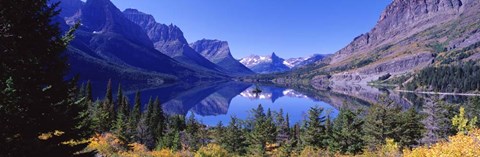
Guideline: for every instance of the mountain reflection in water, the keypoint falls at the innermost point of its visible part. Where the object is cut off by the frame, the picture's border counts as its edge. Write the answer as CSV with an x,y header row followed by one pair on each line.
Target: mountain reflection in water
x,y
218,101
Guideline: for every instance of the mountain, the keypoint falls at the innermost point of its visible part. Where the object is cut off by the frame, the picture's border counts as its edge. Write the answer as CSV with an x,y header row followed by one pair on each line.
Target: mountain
x,y
218,103
218,52
169,40
109,46
409,36
293,63
265,64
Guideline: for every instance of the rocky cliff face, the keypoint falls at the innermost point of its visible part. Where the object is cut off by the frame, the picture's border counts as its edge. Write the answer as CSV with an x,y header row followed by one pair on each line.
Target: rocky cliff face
x,y
403,18
218,52
103,17
169,40
410,35
108,45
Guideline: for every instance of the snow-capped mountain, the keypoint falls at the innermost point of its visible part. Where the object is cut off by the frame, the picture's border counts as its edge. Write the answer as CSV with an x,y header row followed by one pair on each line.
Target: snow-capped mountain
x,y
303,61
293,62
265,64
273,63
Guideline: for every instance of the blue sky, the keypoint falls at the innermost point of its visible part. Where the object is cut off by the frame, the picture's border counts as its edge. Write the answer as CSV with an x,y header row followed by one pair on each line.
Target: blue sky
x,y
290,28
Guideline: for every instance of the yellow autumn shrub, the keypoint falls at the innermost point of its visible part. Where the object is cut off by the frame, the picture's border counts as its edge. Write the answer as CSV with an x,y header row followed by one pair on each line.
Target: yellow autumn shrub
x,y
390,149
106,144
211,150
310,151
463,145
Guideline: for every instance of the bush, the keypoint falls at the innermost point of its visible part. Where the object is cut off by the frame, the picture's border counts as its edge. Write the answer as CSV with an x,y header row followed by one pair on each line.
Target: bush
x,y
464,145
211,150
310,151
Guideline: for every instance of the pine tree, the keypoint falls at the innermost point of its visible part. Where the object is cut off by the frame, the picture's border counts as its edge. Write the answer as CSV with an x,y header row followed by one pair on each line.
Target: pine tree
x,y
192,130
282,126
381,122
86,123
258,136
34,94
347,133
270,127
472,108
121,125
219,134
234,139
120,104
158,120
144,133
411,129
88,91
108,103
314,128
327,139
134,118
100,117
135,115
171,138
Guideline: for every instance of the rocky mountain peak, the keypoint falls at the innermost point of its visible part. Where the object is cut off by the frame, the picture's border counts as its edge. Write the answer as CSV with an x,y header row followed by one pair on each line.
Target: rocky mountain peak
x,y
219,53
103,17
212,48
157,32
169,40
403,18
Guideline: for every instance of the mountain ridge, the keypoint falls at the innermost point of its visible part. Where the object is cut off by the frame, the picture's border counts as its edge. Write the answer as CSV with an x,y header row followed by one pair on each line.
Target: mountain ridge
x,y
169,40
409,36
219,53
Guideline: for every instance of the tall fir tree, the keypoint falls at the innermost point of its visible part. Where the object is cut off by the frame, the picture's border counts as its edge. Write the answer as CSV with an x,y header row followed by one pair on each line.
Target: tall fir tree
x,y
258,136
381,123
219,134
327,139
35,98
234,139
108,103
192,130
136,113
88,91
158,120
411,128
144,133
120,104
283,129
347,135
314,128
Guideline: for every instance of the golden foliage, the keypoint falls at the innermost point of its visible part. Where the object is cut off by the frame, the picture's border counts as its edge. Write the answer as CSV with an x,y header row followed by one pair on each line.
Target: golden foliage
x,y
211,150
106,144
110,145
390,149
462,123
48,135
464,145
310,151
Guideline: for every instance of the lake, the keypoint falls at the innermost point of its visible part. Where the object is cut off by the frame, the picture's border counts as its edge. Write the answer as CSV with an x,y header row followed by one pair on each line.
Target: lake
x,y
218,101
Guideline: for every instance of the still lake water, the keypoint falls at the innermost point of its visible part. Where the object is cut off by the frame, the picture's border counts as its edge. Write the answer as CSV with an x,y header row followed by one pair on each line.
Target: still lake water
x,y
215,102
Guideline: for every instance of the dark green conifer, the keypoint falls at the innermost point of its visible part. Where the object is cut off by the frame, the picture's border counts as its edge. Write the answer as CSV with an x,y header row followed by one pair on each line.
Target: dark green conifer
x,y
347,133
314,128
